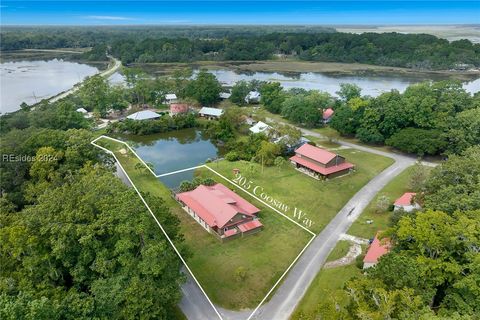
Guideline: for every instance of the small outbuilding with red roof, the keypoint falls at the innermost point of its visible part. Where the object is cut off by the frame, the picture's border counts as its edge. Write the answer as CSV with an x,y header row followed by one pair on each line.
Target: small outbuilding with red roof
x,y
327,115
376,249
220,211
178,108
317,162
406,202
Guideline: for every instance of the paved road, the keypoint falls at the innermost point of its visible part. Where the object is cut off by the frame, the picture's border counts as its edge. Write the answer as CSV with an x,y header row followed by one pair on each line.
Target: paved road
x,y
114,66
297,281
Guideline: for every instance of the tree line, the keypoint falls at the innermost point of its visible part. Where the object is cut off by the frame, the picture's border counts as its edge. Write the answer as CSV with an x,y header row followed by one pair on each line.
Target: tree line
x,y
75,242
428,118
145,45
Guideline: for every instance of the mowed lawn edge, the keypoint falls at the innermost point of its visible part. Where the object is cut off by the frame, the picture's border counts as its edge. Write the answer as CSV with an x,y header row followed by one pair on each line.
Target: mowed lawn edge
x,y
238,273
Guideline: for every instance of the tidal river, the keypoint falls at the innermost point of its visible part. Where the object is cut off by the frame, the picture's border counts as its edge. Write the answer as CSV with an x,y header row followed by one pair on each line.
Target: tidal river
x,y
32,81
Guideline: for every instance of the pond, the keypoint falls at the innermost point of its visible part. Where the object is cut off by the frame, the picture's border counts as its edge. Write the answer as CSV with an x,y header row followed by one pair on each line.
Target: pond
x,y
32,81
371,84
175,150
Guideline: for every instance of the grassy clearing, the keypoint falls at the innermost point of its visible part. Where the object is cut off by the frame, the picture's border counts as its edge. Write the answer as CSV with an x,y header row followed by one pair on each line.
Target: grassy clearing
x,y
327,284
392,190
340,250
263,256
319,200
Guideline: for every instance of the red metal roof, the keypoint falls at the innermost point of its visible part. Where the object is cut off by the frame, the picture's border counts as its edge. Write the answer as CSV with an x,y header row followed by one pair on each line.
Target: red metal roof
x,y
405,199
217,204
230,232
315,153
250,225
376,250
320,169
178,108
328,113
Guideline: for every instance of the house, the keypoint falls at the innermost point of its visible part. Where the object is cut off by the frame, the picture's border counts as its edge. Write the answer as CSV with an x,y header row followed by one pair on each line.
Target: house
x,y
376,249
320,163
143,115
225,95
220,211
253,97
170,98
248,120
85,113
291,145
82,110
178,108
260,127
327,115
406,202
210,113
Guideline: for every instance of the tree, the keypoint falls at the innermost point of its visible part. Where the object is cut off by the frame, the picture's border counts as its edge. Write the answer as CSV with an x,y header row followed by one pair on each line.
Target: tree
x,y
464,131
267,153
96,253
418,177
455,184
239,92
272,96
94,94
382,204
280,162
418,141
349,91
205,88
305,108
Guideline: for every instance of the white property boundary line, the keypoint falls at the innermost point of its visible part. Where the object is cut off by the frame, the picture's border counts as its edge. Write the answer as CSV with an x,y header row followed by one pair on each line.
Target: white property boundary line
x,y
171,242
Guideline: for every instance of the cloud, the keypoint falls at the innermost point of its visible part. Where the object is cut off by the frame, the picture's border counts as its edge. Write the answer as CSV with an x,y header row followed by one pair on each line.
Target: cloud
x,y
116,18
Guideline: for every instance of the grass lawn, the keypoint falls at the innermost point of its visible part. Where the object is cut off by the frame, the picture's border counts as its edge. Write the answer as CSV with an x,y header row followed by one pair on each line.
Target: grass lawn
x,y
327,284
319,200
392,190
340,250
264,256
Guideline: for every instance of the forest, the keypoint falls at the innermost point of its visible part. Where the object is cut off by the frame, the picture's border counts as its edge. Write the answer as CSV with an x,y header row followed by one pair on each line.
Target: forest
x,y
162,44
75,242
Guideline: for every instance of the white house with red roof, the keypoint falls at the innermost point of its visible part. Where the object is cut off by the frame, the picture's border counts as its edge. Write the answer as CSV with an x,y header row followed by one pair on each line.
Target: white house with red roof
x,y
220,211
376,249
406,202
327,115
320,163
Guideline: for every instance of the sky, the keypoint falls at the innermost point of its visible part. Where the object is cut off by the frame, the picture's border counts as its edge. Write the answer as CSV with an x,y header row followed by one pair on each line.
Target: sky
x,y
38,12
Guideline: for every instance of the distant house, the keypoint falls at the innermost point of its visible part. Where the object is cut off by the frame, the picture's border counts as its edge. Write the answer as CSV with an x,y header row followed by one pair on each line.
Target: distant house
x,y
260,127
291,146
249,121
318,163
220,211
170,98
376,249
253,97
327,115
210,113
82,110
85,113
406,202
225,95
143,115
178,108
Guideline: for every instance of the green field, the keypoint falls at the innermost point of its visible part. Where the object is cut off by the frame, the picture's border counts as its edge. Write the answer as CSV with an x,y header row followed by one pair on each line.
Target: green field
x,y
318,200
327,284
264,256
